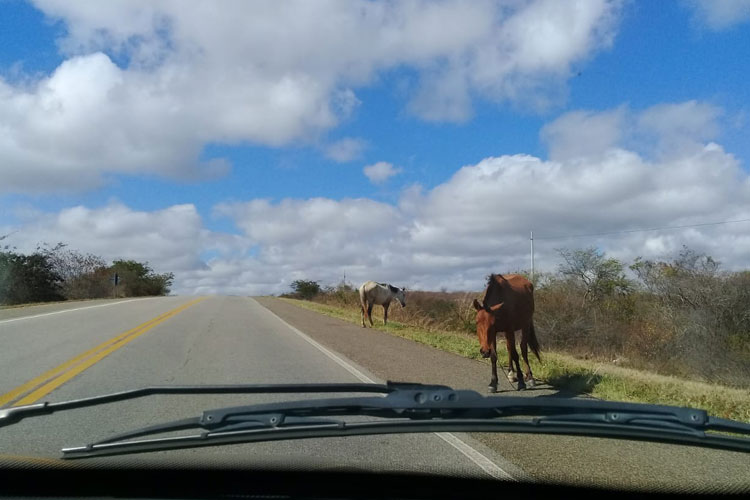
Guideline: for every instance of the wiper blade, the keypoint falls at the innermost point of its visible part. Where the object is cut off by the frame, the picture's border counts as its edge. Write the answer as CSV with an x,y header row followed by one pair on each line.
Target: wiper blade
x,y
9,416
431,409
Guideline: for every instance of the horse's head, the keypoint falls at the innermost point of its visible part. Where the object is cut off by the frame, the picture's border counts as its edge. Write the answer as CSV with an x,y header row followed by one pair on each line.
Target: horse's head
x,y
398,294
401,296
486,327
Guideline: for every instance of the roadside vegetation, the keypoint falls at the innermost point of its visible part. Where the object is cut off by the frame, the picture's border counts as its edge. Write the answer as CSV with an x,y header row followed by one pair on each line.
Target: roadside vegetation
x,y
58,273
675,331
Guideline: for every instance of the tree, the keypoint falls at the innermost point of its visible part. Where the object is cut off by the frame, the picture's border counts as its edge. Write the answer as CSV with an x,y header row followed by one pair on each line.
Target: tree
x,y
85,276
598,275
138,279
306,289
691,278
28,278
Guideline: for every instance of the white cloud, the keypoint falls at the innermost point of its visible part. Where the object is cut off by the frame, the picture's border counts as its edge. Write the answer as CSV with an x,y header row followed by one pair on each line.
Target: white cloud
x,y
268,73
681,125
718,15
346,149
583,133
663,129
479,220
380,172
449,236
170,239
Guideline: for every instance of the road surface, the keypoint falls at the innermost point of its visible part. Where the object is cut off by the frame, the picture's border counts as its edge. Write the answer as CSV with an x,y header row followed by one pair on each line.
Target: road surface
x,y
64,351
175,340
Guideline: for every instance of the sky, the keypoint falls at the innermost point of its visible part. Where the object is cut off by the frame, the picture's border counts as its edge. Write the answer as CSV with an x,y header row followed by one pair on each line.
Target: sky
x,y
243,145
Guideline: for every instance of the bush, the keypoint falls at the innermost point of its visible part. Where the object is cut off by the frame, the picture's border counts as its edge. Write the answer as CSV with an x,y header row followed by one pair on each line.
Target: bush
x,y
28,278
139,280
708,312
84,276
57,273
305,290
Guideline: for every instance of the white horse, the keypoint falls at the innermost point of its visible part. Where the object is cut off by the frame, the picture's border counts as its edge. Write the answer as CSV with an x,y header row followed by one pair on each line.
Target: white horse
x,y
371,293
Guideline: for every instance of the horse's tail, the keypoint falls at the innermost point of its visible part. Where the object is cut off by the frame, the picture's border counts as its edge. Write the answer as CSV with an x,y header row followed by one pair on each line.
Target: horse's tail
x,y
533,342
362,298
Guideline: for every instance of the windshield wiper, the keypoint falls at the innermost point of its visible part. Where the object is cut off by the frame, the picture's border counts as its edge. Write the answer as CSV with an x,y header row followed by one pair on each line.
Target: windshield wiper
x,y
411,408
9,416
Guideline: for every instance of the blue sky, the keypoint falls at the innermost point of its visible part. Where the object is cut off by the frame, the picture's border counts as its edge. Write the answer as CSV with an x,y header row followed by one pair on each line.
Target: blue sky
x,y
637,56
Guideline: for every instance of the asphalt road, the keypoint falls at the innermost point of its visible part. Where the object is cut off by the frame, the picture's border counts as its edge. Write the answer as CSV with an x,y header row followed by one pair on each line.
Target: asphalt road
x,y
217,340
65,351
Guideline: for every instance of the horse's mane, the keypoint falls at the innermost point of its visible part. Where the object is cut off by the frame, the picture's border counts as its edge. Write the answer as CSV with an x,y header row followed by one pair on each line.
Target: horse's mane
x,y
492,281
492,278
390,287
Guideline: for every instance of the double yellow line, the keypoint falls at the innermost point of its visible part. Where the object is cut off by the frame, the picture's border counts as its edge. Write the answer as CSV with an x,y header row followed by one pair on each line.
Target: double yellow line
x,y
47,382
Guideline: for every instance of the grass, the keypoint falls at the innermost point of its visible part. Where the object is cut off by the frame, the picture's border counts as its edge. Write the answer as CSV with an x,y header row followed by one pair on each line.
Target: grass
x,y
564,372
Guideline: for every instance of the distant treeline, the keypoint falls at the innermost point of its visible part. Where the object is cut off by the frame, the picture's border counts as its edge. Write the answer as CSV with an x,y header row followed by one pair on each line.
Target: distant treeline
x,y
59,273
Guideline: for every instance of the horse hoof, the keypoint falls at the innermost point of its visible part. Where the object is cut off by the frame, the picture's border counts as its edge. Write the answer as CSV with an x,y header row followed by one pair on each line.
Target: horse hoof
x,y
532,383
521,386
492,389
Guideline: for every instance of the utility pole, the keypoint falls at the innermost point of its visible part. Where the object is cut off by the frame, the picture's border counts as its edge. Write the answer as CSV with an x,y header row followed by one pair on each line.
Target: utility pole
x,y
531,239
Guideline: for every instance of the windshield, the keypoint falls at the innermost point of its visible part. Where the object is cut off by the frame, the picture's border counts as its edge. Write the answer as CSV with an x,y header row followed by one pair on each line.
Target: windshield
x,y
536,199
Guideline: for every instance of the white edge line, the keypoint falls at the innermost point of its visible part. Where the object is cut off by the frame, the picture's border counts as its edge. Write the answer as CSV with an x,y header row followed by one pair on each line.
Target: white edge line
x,y
484,463
475,456
70,310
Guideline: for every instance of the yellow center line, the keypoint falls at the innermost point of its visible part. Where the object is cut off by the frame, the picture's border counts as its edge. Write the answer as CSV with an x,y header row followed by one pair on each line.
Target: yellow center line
x,y
10,396
54,378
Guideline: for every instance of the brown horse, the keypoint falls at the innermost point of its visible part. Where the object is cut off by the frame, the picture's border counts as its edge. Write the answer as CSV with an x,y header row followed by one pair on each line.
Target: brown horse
x,y
508,306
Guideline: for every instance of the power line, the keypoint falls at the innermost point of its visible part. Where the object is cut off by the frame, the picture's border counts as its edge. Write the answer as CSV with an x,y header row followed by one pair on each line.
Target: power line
x,y
639,230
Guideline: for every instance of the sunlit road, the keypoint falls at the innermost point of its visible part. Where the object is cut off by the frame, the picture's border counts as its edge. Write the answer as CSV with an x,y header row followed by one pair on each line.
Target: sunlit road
x,y
65,351
58,353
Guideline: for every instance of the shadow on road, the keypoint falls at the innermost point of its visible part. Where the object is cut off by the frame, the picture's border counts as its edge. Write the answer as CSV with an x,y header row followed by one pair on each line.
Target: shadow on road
x,y
571,385
564,386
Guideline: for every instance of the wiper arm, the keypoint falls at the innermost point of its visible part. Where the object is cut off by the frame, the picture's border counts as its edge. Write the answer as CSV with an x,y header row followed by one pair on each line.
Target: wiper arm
x,y
430,409
9,416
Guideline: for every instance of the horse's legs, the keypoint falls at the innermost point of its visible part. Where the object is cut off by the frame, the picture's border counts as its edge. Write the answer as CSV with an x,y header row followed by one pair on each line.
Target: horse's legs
x,y
362,314
385,312
525,355
493,381
369,312
510,341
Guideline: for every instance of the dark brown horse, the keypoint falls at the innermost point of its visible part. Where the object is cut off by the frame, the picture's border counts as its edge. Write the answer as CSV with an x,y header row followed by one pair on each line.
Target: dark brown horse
x,y
508,306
